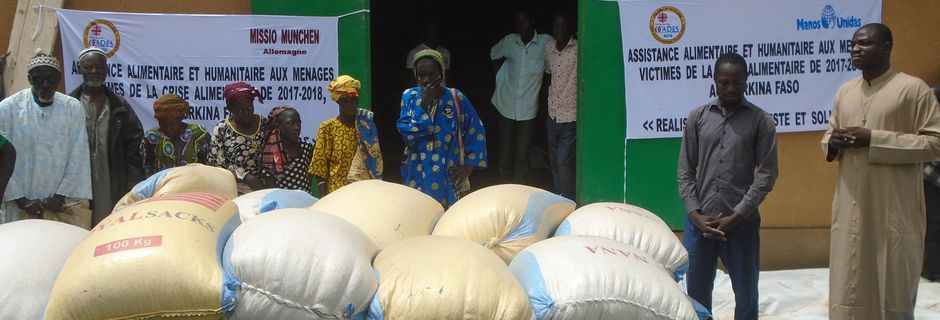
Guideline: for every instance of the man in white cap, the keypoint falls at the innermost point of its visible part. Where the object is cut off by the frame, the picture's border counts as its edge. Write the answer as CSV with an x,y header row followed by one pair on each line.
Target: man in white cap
x,y
114,135
52,178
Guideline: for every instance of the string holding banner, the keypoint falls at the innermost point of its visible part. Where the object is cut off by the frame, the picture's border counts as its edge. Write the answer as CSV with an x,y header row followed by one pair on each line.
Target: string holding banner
x,y
352,13
39,8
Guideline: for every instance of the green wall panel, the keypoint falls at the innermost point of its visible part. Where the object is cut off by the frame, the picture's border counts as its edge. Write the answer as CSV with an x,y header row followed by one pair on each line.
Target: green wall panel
x,y
651,178
640,172
601,116
354,40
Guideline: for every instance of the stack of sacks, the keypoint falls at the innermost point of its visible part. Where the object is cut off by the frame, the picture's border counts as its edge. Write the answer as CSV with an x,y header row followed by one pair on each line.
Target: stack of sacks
x,y
158,258
581,277
298,264
505,218
386,212
188,178
631,225
255,203
31,254
438,277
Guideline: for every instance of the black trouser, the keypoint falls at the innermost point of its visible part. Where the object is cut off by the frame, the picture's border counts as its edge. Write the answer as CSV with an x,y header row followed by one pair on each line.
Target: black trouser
x,y
932,239
515,137
561,156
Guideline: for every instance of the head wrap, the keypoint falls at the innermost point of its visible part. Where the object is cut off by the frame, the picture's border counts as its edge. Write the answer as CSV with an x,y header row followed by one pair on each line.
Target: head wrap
x,y
240,91
434,54
43,60
90,50
170,106
272,154
344,86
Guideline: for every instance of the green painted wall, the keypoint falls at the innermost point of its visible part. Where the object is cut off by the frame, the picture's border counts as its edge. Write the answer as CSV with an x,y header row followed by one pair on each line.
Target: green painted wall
x,y
354,40
640,172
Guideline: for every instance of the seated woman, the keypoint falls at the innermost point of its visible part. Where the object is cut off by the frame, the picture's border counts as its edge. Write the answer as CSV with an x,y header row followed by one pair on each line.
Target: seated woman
x,y
237,140
173,142
347,147
285,158
444,138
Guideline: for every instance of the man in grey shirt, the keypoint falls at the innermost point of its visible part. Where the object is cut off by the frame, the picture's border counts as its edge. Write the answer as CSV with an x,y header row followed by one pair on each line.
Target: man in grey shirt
x,y
727,166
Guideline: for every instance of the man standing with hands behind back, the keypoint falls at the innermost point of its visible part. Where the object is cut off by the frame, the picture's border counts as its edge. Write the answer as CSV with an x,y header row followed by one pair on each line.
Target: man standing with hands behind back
x,y
884,125
727,166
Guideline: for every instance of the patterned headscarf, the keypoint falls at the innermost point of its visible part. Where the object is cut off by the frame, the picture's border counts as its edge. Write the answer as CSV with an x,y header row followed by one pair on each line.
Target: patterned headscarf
x,y
344,86
170,106
272,155
41,59
434,54
240,91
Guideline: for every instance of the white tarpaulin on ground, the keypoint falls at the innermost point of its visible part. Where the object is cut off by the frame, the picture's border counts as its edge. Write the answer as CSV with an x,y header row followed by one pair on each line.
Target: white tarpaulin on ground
x,y
290,60
797,54
803,294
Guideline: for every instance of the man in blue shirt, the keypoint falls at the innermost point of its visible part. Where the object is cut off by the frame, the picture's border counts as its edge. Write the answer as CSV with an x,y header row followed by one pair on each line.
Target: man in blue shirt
x,y
520,58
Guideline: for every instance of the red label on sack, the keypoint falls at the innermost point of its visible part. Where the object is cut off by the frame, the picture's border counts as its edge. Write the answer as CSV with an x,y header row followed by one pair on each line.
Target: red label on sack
x,y
128,244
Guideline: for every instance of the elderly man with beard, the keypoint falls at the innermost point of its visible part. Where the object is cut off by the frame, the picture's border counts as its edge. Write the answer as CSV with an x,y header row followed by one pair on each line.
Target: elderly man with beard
x,y
114,135
51,179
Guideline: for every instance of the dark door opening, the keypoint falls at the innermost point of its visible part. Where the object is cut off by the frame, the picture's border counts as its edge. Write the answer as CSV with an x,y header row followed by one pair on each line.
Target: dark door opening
x,y
468,30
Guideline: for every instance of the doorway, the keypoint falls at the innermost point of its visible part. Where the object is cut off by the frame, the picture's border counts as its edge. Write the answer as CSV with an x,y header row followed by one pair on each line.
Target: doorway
x,y
468,30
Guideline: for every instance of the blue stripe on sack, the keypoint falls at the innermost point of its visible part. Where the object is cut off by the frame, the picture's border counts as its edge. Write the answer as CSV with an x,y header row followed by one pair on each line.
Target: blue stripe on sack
x,y
527,270
285,199
375,307
350,308
145,189
361,316
700,310
538,203
679,275
230,281
564,229
224,253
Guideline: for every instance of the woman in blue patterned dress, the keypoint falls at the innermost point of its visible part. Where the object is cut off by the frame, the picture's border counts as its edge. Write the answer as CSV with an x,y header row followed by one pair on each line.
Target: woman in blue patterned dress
x,y
444,138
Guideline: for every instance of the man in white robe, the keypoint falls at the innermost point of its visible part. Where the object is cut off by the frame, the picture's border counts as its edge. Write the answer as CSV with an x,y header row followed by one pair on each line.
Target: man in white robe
x,y
884,125
52,177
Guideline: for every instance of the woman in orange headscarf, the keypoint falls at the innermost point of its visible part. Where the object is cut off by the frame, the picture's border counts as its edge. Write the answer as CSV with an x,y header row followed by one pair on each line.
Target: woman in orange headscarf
x,y
347,147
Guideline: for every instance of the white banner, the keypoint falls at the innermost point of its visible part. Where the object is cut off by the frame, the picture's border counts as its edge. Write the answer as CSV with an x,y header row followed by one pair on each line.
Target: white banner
x,y
797,54
291,60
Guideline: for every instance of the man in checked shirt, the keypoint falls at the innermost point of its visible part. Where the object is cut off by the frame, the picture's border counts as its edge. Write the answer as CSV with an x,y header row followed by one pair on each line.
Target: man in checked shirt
x,y
727,166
